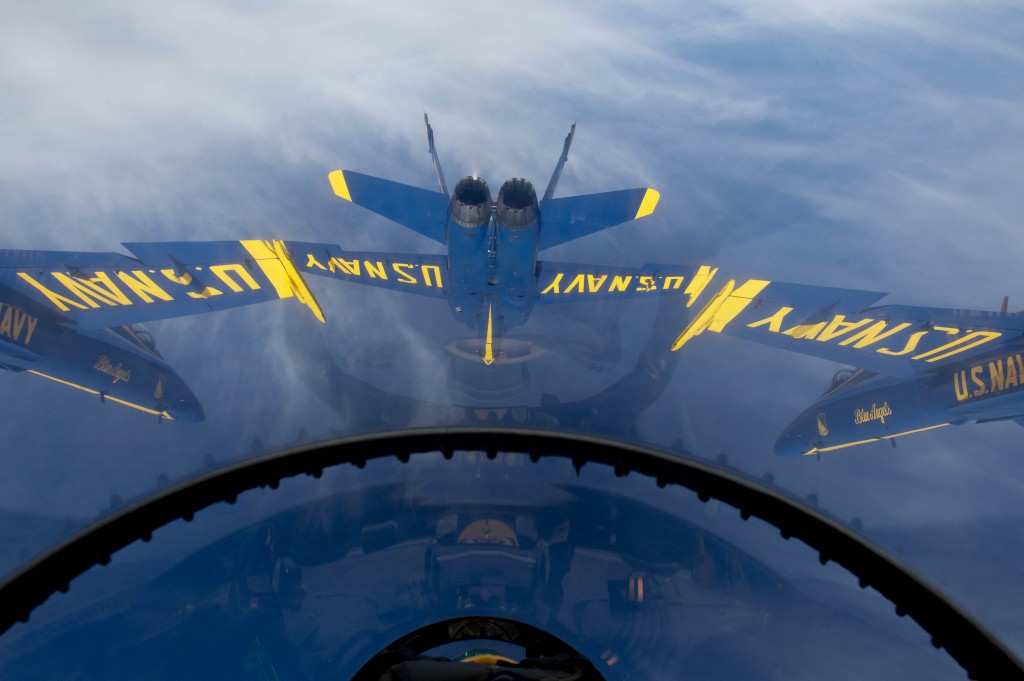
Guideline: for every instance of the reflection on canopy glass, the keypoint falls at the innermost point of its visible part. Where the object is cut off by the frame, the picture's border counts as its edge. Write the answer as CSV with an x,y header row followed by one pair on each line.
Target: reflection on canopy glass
x,y
350,573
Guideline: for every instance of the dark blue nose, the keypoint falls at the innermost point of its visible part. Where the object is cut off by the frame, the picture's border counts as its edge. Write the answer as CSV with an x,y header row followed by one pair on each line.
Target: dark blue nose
x,y
794,441
187,411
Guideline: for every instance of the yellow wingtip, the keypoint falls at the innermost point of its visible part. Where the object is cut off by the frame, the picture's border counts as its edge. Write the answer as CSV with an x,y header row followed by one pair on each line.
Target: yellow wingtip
x,y
649,203
337,178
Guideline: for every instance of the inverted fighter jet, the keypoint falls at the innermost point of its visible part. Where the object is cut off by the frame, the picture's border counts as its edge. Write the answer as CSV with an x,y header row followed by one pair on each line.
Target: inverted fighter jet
x,y
490,277
74,317
920,368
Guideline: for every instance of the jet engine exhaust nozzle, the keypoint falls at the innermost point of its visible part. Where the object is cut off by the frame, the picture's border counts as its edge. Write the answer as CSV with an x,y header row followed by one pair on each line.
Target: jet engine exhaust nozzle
x,y
517,205
471,203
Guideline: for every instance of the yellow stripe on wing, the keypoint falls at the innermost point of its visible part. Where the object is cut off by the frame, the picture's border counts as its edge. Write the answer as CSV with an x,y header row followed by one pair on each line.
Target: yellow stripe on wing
x,y
723,307
832,448
277,265
298,284
154,412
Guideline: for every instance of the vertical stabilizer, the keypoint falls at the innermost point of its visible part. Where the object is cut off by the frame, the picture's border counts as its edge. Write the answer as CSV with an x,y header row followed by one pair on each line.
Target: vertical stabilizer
x,y
433,154
561,164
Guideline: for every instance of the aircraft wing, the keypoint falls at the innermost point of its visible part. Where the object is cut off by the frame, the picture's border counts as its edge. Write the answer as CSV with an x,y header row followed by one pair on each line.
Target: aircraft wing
x,y
841,325
559,282
420,210
423,274
570,218
172,279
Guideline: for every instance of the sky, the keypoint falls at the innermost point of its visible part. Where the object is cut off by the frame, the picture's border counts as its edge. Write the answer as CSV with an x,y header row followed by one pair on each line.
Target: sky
x,y
871,145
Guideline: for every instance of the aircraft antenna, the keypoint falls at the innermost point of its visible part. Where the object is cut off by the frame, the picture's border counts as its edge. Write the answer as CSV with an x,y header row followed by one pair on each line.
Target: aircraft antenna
x,y
1006,304
550,191
433,154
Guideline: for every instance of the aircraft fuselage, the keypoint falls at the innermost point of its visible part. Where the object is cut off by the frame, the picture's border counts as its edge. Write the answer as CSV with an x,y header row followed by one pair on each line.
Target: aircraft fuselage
x,y
867,407
492,254
119,364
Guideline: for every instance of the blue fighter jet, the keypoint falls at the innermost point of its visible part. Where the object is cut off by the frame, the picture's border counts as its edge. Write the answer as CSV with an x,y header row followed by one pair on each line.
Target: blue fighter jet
x,y
490,277
74,317
921,368
120,364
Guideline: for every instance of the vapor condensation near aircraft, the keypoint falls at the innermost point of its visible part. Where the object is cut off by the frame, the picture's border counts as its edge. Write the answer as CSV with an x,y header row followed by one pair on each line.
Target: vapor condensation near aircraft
x,y
74,317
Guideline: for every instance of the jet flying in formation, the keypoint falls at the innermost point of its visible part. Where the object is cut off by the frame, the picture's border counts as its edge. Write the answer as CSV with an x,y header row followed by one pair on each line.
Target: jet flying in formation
x,y
75,317
920,368
490,276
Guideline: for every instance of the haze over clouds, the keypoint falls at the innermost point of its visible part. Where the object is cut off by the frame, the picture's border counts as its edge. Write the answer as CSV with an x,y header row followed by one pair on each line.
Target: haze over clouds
x,y
865,111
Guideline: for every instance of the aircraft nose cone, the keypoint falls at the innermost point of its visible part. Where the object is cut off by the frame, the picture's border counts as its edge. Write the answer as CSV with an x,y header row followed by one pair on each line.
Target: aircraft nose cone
x,y
793,442
179,401
808,432
187,411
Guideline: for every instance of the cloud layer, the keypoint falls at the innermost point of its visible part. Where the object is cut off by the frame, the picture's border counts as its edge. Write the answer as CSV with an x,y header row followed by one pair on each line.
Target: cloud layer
x,y
862,144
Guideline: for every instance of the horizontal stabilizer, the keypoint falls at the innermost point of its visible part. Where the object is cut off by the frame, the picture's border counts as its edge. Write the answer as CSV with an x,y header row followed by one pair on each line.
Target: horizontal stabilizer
x,y
553,182
441,184
420,210
570,218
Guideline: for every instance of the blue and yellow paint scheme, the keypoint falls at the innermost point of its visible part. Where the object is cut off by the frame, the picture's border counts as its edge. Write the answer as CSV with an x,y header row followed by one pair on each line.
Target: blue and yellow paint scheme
x,y
920,368
490,275
75,318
